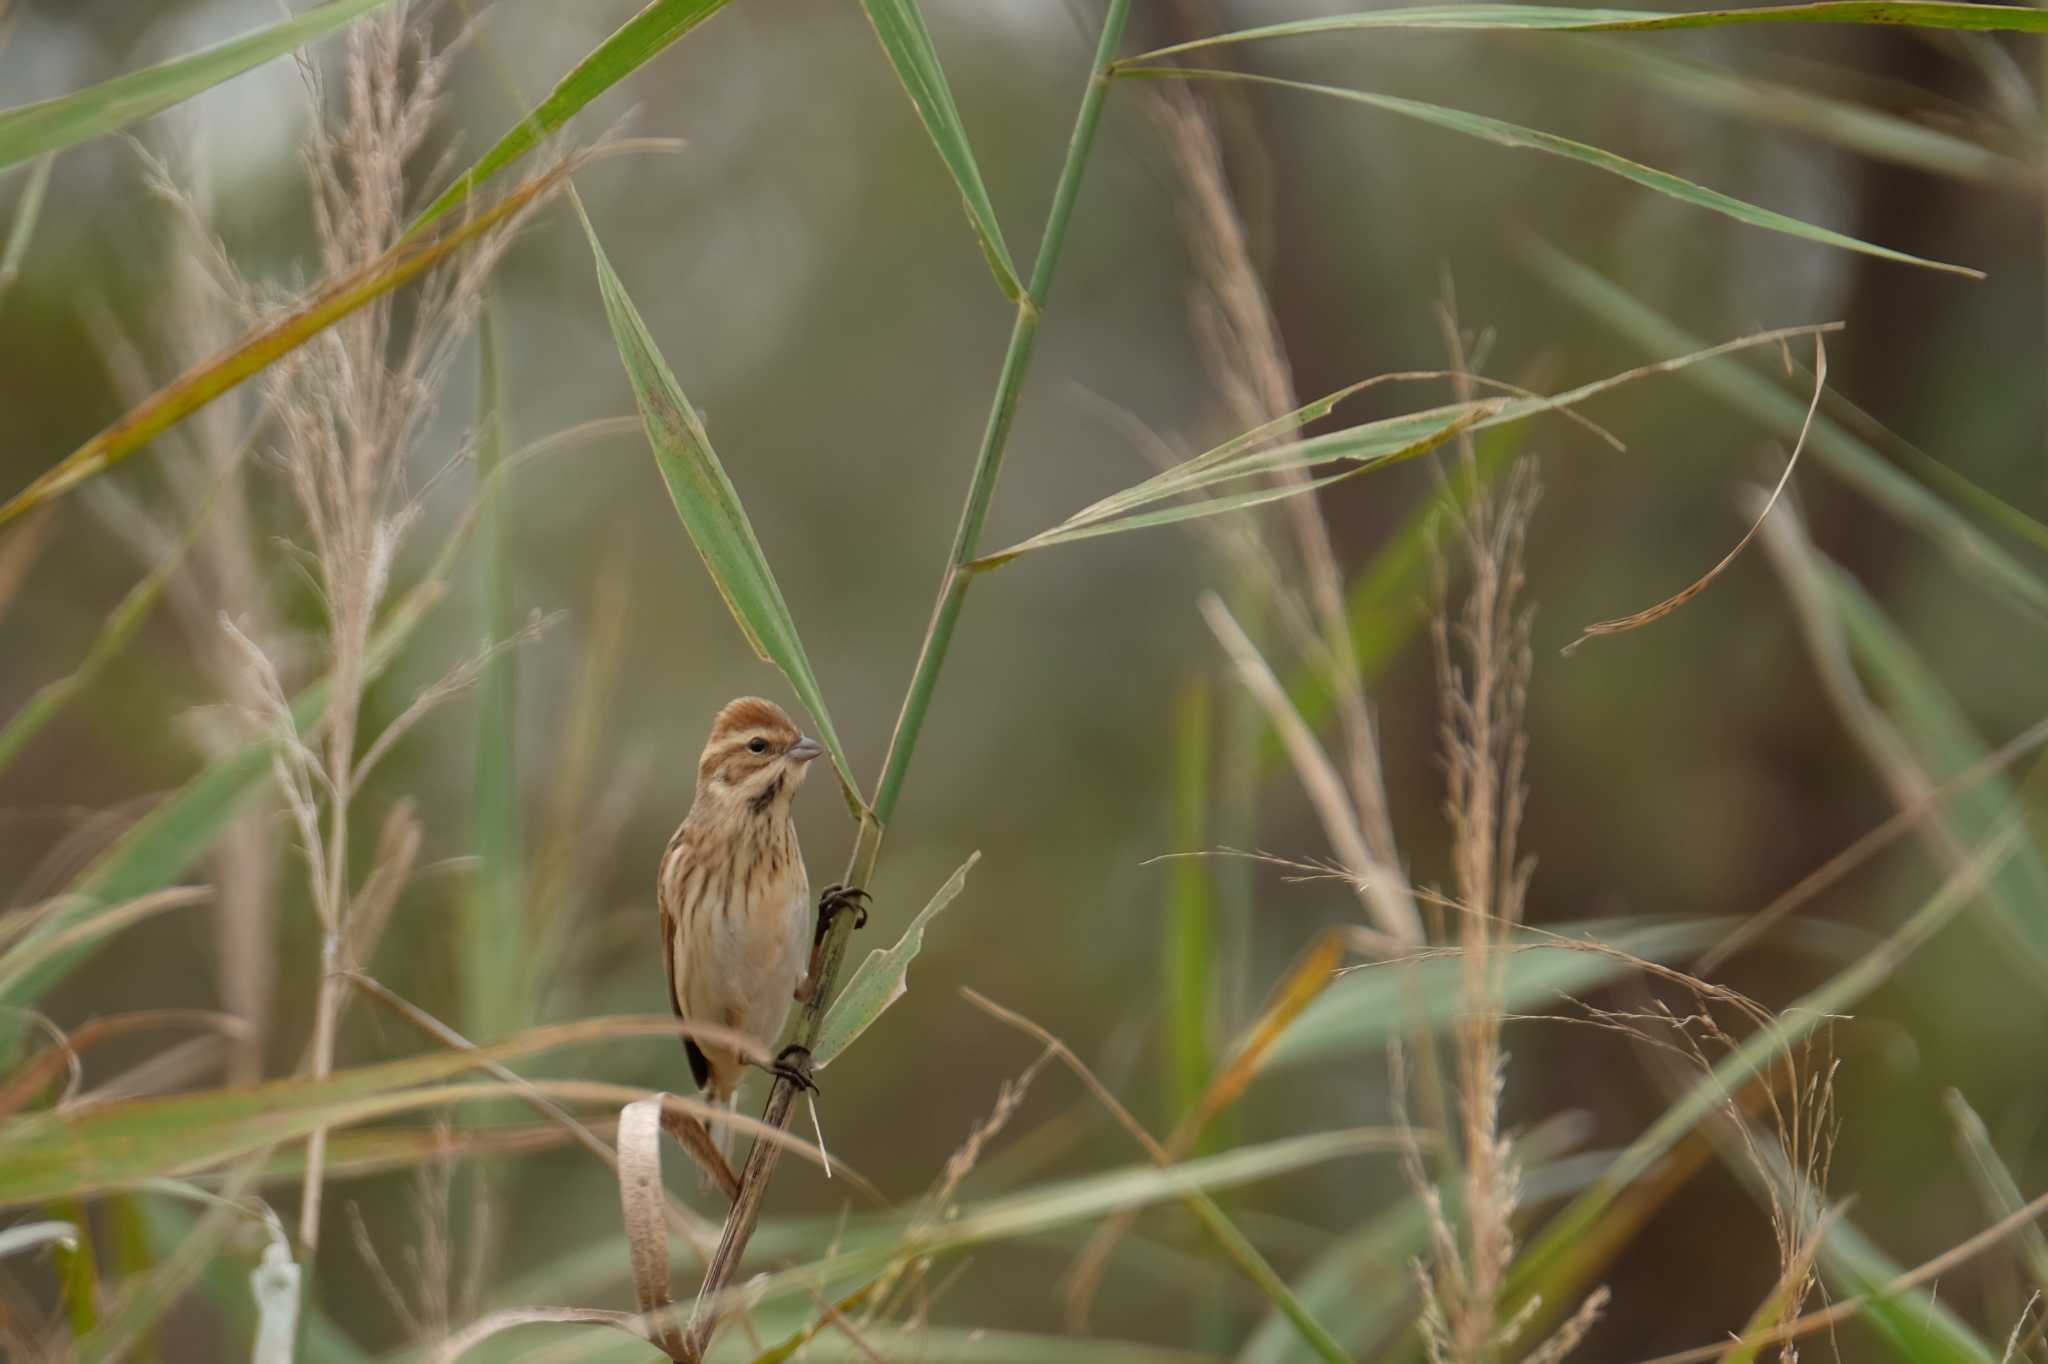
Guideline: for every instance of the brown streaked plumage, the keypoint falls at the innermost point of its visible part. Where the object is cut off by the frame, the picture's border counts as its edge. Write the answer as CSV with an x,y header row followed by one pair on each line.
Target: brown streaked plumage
x,y
735,901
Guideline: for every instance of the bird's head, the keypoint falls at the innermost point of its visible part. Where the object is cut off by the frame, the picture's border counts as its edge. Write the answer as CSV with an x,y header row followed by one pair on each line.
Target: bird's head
x,y
755,755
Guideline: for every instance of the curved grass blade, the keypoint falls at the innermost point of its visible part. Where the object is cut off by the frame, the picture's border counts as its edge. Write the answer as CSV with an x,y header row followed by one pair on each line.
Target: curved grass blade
x,y
635,43
710,507
209,380
1514,135
1851,459
882,978
113,105
81,1152
1563,18
900,26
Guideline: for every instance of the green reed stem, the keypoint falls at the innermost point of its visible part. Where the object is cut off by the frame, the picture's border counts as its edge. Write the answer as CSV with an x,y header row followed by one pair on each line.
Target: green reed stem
x,y
867,851
989,462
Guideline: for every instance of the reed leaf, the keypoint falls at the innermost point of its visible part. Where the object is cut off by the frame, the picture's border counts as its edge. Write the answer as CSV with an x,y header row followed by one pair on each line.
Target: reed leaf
x,y
1565,18
900,25
79,1152
636,42
1507,134
882,978
210,379
710,508
1847,455
30,129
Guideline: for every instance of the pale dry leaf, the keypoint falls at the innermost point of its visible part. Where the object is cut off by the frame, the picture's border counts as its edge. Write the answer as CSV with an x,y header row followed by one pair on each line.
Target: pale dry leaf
x,y
640,1198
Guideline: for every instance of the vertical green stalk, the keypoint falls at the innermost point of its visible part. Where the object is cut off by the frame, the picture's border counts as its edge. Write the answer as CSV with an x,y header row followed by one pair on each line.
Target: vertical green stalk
x,y
989,462
867,850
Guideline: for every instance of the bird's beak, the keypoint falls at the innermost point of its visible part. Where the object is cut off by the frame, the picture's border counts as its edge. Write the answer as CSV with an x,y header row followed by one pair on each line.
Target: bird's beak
x,y
805,749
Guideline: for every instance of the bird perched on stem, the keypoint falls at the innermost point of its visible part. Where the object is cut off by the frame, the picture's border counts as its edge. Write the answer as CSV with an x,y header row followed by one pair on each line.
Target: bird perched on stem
x,y
735,900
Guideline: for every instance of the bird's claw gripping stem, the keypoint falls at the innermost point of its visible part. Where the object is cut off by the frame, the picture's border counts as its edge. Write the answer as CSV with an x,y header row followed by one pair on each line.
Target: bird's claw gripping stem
x,y
837,900
793,1064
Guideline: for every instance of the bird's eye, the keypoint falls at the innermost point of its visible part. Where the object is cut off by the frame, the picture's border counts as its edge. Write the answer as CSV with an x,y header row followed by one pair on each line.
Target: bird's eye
x,y
758,746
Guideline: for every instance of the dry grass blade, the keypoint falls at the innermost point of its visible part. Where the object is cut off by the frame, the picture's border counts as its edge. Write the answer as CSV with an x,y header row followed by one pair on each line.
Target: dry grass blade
x,y
1844,1310
19,552
1381,887
26,212
642,1199
1623,624
694,1226
1310,977
213,377
476,1333
1877,840
1199,1202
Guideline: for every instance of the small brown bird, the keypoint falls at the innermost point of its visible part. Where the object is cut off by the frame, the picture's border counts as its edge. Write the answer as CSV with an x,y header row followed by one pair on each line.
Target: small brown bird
x,y
735,901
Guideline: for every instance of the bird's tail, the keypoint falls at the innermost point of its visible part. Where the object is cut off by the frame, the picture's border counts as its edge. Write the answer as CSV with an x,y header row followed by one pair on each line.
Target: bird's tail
x,y
721,1132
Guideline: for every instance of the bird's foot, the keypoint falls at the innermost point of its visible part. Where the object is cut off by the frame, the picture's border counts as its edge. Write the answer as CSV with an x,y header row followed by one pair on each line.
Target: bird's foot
x,y
793,1064
837,900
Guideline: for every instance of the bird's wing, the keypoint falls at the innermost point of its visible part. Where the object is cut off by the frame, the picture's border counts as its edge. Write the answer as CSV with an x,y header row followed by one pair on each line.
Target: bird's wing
x,y
700,1065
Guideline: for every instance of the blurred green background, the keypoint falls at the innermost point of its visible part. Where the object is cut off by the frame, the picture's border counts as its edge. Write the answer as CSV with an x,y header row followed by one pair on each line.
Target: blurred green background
x,y
803,262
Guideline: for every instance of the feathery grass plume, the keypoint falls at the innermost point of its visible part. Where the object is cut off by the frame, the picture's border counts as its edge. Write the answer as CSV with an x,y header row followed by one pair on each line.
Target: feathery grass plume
x,y
1483,663
1247,359
206,470
350,407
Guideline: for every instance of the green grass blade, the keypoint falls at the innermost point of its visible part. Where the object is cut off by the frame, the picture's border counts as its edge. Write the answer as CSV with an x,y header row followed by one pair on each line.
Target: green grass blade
x,y
1083,1199
636,42
210,379
1918,1327
1514,135
115,632
1555,18
2001,1192
1362,1286
882,978
710,507
1369,447
1366,1007
493,935
900,26
1942,741
112,105
176,833
1870,132
1849,457
81,1152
